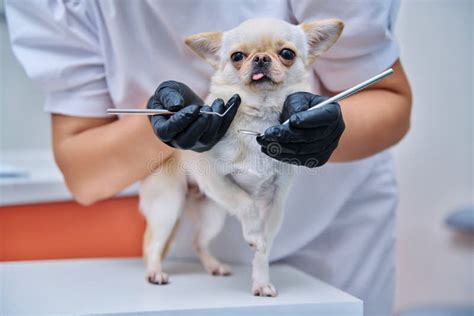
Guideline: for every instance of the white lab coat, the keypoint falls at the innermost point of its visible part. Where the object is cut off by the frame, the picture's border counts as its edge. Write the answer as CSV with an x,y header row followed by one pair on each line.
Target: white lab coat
x,y
90,55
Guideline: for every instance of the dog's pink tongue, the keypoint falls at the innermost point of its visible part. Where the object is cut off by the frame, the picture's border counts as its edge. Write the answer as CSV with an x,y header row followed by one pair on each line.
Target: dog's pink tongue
x,y
257,76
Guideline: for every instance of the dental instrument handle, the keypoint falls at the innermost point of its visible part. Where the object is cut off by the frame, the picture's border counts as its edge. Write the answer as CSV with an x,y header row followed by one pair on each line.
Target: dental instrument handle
x,y
351,91
162,111
140,111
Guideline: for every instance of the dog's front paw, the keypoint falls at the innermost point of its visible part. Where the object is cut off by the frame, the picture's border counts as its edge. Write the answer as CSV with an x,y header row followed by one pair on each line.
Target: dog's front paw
x,y
264,289
218,269
160,278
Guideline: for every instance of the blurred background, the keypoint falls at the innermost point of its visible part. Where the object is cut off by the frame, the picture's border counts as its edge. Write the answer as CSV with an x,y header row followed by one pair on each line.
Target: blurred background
x,y
435,161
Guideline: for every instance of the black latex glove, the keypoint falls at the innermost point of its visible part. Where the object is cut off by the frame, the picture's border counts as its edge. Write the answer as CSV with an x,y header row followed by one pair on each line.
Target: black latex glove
x,y
187,129
310,137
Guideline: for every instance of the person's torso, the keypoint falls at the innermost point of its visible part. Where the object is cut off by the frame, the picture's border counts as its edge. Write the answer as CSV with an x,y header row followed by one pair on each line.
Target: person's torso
x,y
143,41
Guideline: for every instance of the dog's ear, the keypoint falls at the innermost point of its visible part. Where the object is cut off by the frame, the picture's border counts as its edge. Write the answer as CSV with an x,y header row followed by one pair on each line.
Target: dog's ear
x,y
321,35
206,45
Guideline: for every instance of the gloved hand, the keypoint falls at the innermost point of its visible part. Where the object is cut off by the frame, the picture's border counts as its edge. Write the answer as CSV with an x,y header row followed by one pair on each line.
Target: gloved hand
x,y
310,137
187,129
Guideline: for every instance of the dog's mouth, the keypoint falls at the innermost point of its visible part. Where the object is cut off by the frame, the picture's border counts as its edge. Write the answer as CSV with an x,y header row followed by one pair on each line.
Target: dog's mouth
x,y
261,77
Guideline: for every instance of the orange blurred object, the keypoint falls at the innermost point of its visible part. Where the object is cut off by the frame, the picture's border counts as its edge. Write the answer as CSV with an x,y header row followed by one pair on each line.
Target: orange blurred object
x,y
111,228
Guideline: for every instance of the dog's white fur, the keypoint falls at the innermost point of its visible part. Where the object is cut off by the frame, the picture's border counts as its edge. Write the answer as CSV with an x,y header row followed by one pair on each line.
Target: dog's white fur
x,y
234,176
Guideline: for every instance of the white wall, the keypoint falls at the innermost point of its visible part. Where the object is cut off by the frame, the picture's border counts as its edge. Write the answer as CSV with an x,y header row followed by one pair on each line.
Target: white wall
x,y
435,160
23,124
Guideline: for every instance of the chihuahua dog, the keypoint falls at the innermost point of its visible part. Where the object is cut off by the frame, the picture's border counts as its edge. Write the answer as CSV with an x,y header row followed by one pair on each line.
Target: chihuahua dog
x,y
263,60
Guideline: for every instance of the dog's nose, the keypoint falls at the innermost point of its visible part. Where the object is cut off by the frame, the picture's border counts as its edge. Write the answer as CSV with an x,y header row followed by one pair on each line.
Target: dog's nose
x,y
262,60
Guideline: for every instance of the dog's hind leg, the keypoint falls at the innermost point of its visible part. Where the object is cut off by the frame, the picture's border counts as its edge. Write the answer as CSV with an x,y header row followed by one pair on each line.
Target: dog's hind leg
x,y
210,220
162,197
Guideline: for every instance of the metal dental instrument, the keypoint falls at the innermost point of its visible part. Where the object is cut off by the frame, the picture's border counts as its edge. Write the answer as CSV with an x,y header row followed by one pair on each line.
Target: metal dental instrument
x,y
338,97
158,111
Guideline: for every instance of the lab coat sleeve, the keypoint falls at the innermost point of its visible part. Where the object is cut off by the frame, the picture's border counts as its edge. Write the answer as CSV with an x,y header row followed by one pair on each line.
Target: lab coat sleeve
x,y
57,44
367,45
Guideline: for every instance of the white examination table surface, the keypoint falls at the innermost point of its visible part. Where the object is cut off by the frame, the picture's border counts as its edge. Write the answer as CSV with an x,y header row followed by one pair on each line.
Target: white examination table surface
x,y
118,287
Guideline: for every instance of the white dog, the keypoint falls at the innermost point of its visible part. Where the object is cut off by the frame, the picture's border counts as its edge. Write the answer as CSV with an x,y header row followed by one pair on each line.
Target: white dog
x,y
263,60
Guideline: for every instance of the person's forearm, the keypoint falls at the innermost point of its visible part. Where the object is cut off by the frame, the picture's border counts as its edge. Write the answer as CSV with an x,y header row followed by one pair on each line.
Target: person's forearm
x,y
100,161
375,119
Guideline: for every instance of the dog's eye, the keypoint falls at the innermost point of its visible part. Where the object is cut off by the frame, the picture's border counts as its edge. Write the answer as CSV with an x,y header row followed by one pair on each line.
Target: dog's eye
x,y
237,56
287,54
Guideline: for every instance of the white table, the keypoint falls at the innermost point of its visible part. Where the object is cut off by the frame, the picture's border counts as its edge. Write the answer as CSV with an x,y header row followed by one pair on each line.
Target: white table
x,y
118,286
